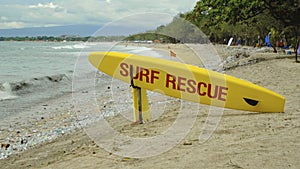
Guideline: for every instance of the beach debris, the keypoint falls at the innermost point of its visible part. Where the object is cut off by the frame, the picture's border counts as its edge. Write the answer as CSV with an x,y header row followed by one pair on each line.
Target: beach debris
x,y
241,56
187,143
20,140
236,57
233,62
234,165
124,159
5,146
23,141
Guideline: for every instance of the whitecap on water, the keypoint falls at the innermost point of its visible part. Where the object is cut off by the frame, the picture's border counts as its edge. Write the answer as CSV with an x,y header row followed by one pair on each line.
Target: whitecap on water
x,y
5,92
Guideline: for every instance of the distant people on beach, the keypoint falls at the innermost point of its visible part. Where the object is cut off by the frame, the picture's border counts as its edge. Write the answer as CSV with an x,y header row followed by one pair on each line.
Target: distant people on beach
x,y
284,42
267,40
273,39
258,42
239,42
280,43
233,42
230,41
245,40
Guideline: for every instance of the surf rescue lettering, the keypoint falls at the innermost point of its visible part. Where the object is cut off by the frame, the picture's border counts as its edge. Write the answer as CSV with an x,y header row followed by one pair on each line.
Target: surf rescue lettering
x,y
175,82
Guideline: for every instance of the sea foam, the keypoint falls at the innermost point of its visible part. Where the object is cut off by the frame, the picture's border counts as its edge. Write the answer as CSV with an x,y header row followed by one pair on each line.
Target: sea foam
x,y
5,92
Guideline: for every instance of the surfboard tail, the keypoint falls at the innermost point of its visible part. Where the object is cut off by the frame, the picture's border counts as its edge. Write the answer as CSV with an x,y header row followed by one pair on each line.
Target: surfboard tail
x,y
140,105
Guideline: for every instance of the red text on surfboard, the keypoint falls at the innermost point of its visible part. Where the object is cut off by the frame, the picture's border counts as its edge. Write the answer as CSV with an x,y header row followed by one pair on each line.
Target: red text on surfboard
x,y
142,74
174,82
201,88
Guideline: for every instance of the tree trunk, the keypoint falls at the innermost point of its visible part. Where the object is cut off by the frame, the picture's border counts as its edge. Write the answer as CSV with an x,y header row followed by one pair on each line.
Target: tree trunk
x,y
275,50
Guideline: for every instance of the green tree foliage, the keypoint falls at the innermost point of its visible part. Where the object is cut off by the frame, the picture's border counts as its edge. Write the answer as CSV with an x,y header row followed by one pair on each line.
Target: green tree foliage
x,y
179,30
249,20
246,18
229,11
151,36
183,31
286,11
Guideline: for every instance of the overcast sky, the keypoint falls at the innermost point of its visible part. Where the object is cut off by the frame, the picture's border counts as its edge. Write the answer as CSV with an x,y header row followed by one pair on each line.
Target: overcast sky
x,y
45,13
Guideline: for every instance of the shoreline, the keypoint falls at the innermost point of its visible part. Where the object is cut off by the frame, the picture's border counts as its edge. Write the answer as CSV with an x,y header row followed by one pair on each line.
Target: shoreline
x,y
251,136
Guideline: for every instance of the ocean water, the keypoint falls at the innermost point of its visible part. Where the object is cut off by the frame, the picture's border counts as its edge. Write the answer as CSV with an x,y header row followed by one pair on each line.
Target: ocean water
x,y
34,72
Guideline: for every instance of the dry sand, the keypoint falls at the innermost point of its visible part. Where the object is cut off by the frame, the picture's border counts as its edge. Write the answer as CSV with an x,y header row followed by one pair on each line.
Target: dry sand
x,y
241,140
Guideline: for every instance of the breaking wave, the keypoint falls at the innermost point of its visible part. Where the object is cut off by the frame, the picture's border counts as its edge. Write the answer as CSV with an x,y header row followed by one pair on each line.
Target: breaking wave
x,y
6,92
46,86
75,46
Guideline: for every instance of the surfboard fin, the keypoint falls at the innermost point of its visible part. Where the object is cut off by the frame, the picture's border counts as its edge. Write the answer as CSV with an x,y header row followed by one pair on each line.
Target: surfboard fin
x,y
140,105
251,101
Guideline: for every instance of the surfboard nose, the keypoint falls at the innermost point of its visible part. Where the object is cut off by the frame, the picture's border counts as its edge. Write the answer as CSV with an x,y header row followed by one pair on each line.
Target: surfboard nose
x,y
95,58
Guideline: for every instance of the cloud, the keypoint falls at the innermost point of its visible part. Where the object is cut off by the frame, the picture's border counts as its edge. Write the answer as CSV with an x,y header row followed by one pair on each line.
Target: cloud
x,y
3,18
12,25
96,12
50,5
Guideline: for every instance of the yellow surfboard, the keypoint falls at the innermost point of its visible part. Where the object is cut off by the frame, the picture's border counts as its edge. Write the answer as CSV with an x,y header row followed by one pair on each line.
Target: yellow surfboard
x,y
187,82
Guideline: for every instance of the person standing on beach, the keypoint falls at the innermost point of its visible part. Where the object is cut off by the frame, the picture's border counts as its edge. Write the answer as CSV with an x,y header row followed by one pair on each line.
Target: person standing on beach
x,y
239,41
267,40
274,39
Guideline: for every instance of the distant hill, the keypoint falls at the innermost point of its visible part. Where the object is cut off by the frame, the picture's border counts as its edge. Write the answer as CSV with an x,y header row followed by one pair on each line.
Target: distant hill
x,y
79,30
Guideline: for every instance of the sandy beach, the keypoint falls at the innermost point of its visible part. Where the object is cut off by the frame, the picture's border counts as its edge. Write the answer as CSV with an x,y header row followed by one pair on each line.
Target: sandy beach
x,y
241,139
